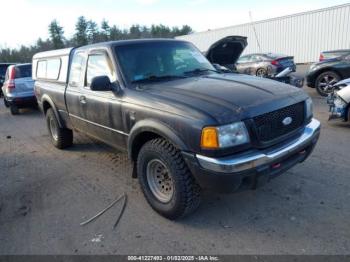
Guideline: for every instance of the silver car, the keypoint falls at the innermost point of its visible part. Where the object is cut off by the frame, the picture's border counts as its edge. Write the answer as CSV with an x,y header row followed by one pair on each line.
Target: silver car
x,y
264,64
18,88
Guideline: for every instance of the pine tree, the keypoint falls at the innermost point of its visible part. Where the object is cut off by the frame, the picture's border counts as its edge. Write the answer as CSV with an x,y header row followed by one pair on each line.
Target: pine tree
x,y
105,31
81,35
56,34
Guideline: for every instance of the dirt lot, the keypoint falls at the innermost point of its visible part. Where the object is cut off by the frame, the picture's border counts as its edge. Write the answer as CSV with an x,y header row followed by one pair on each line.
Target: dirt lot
x,y
45,193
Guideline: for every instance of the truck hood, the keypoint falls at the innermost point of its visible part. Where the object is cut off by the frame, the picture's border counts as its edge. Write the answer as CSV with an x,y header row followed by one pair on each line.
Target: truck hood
x,y
227,50
225,97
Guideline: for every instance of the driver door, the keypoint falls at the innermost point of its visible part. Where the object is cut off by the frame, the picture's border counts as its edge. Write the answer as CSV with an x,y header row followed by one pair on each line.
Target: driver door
x,y
102,109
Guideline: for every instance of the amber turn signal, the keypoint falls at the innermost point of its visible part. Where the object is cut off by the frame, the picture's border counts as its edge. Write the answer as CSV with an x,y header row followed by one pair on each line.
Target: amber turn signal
x,y
209,139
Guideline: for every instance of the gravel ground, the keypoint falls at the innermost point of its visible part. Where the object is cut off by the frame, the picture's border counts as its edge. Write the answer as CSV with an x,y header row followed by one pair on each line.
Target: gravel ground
x,y
46,193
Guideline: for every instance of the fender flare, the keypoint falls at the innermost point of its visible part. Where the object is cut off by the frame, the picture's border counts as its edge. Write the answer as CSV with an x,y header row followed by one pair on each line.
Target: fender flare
x,y
157,128
47,99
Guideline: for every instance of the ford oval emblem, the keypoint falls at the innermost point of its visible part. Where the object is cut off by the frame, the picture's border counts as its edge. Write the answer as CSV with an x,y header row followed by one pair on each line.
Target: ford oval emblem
x,y
287,121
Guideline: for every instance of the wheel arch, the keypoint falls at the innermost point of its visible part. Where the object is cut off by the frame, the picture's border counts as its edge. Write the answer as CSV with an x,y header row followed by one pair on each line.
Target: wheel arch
x,y
146,130
47,103
323,70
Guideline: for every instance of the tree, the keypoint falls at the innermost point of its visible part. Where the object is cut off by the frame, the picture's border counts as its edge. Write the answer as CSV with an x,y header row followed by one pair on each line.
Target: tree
x,y
185,30
92,32
56,34
135,32
105,31
88,32
116,33
81,36
43,45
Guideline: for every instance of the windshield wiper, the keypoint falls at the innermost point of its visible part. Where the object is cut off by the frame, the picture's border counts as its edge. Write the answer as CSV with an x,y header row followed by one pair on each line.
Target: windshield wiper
x,y
198,71
153,78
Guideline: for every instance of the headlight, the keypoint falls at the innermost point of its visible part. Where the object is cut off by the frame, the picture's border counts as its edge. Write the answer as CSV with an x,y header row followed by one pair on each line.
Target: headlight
x,y
309,108
224,136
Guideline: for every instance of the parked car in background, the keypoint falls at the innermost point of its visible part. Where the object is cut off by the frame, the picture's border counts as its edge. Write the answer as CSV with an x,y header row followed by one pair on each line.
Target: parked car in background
x,y
223,54
333,67
185,125
329,55
264,64
3,68
18,87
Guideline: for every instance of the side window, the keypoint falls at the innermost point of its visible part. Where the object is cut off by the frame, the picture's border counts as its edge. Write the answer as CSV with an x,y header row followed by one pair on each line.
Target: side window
x,y
98,65
53,68
255,58
48,69
259,58
244,59
41,69
75,76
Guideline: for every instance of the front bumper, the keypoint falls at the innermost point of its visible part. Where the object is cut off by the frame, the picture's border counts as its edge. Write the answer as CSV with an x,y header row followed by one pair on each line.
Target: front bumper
x,y
255,167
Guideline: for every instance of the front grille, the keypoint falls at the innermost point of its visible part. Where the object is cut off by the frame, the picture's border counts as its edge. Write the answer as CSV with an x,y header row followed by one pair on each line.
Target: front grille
x,y
270,126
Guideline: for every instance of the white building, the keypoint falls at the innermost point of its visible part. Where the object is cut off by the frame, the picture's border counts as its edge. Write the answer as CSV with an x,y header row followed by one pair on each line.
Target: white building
x,y
303,35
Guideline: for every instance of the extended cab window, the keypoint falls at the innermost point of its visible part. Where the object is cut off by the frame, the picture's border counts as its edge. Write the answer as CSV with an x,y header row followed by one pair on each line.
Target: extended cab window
x,y
98,65
75,77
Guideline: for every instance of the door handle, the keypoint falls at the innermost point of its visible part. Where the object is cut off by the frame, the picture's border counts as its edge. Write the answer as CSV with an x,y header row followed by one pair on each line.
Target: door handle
x,y
82,99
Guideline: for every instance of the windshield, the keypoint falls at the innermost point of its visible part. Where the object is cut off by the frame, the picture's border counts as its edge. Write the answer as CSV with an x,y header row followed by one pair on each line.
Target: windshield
x,y
164,60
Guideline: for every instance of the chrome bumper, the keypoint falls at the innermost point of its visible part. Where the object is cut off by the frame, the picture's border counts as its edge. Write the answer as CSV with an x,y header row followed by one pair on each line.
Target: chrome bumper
x,y
252,159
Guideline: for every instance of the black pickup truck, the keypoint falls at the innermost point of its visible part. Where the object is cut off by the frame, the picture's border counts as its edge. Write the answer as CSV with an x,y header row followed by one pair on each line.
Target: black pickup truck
x,y
185,125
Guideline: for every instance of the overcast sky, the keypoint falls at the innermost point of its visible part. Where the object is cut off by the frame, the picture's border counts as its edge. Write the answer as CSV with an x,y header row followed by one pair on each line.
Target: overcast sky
x,y
24,21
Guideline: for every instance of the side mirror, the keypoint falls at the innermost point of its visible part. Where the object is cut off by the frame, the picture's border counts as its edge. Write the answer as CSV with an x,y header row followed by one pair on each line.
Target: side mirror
x,y
101,83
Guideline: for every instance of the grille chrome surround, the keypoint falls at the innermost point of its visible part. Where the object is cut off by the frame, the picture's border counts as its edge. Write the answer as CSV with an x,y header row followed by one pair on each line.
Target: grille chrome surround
x,y
272,125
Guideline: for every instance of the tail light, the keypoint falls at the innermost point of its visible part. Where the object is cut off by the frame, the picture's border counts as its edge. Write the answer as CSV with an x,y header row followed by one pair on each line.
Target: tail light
x,y
12,75
275,62
321,57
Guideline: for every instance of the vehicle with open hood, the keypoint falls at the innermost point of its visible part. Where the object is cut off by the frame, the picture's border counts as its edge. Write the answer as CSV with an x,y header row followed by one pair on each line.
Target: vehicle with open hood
x,y
226,53
185,125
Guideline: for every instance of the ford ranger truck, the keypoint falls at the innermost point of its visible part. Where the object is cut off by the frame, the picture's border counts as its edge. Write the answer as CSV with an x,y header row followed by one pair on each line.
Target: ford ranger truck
x,y
185,126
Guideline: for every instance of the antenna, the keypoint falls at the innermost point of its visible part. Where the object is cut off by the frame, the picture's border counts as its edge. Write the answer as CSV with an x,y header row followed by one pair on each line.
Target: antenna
x,y
256,35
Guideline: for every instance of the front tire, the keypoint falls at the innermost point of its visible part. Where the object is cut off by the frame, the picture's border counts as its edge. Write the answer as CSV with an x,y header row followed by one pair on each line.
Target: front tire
x,y
325,82
60,137
166,181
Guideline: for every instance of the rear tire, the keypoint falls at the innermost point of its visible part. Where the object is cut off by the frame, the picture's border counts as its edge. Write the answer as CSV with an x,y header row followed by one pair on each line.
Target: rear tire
x,y
174,193
60,137
6,103
261,72
325,81
14,110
